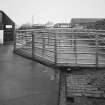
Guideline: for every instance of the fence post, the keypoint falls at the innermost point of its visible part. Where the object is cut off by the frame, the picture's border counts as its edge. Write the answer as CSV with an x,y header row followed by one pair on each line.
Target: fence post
x,y
96,50
14,40
33,47
55,49
75,47
43,44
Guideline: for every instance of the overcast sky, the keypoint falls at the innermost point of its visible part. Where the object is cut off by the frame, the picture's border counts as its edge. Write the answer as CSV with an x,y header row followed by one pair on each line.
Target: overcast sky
x,y
21,11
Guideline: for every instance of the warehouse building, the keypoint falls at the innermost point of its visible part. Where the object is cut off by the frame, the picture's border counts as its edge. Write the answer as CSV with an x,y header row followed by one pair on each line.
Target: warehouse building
x,y
62,25
7,27
82,23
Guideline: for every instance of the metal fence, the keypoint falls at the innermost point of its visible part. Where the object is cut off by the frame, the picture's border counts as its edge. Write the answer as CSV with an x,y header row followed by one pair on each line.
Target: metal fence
x,y
63,47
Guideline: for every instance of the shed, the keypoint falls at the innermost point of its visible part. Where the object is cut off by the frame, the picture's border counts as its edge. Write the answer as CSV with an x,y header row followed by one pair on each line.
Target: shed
x,y
7,27
82,22
62,25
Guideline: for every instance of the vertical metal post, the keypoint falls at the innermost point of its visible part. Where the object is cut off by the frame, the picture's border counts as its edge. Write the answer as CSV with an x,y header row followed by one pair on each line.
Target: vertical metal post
x,y
14,40
75,49
48,39
96,50
55,49
43,42
33,47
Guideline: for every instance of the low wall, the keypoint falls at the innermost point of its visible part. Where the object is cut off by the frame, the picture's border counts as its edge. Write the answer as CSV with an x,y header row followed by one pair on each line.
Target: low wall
x,y
86,86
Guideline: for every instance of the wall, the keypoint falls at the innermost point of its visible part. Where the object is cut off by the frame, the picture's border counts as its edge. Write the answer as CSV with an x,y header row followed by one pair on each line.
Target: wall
x,y
1,36
86,86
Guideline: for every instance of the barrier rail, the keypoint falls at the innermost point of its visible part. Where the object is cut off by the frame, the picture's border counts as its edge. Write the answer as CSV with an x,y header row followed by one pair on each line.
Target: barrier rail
x,y
63,47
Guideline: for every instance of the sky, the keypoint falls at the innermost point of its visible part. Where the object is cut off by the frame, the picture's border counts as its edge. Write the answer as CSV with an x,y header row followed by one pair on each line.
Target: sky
x,y
42,11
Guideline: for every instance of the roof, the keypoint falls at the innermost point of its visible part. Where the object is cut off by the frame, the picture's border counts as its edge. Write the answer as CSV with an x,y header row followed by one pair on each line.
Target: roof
x,y
62,25
84,20
6,18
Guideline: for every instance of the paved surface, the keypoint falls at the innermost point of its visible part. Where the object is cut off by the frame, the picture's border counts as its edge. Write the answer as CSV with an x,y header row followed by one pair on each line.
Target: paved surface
x,y
25,82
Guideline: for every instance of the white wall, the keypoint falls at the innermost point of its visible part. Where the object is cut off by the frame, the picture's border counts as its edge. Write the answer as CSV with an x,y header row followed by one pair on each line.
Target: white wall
x,y
1,36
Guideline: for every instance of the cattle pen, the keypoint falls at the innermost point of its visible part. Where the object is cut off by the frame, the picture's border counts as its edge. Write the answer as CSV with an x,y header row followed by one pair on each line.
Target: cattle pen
x,y
69,49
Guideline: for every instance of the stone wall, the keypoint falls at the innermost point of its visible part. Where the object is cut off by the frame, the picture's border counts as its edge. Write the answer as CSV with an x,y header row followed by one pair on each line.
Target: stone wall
x,y
87,85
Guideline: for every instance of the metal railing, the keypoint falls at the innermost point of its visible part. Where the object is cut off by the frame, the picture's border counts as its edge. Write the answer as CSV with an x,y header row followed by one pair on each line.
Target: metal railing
x,y
63,47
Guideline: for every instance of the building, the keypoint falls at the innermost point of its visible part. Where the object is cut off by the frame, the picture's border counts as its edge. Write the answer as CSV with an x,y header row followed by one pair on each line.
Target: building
x,y
82,22
7,27
62,25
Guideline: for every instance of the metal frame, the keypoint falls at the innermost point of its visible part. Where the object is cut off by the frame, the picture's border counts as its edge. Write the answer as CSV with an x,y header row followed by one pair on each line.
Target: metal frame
x,y
74,48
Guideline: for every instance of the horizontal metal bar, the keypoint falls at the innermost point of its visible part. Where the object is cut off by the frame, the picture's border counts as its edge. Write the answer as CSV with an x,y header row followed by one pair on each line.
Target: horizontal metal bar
x,y
77,53
42,49
76,45
90,33
74,59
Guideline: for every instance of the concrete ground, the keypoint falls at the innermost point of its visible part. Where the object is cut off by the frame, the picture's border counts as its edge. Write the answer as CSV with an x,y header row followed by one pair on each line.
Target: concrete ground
x,y
25,82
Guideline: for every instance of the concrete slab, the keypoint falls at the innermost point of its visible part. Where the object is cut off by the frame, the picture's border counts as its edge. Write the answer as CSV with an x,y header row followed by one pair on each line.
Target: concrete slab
x,y
25,82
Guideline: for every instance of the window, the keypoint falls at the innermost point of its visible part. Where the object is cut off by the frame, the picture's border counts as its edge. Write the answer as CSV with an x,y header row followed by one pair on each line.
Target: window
x,y
8,26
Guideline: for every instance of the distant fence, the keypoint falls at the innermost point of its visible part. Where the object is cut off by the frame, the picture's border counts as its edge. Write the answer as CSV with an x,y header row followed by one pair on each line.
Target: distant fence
x,y
63,47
